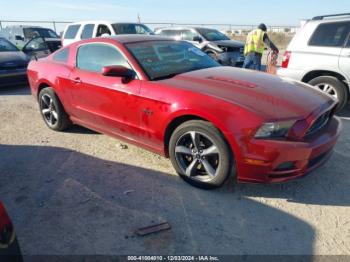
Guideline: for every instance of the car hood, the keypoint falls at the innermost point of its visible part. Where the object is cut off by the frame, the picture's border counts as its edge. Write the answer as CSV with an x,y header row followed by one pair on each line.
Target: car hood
x,y
13,59
271,97
229,43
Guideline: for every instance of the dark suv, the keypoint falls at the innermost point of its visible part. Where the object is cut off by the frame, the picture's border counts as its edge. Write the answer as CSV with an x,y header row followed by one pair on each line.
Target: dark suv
x,y
216,44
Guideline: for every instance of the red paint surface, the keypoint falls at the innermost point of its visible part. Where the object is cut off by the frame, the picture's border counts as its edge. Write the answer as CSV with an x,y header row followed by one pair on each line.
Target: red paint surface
x,y
236,101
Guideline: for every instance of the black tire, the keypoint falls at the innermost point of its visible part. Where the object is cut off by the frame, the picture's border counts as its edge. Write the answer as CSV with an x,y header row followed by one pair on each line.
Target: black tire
x,y
208,136
48,100
339,88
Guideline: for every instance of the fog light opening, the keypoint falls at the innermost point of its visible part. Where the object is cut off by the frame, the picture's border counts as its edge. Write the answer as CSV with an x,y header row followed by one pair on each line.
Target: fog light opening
x,y
286,166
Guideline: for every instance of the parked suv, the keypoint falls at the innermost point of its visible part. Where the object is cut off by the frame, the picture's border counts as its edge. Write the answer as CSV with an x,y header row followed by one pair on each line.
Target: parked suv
x,y
21,34
211,41
83,30
319,54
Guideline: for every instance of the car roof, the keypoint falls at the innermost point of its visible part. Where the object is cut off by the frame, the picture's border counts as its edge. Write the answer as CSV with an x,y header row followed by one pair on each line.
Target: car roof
x,y
329,20
185,27
125,39
100,22
3,38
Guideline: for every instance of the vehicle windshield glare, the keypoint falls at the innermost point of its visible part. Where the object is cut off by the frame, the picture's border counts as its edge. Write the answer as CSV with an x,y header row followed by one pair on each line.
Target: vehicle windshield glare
x,y
212,34
165,59
42,32
6,46
124,29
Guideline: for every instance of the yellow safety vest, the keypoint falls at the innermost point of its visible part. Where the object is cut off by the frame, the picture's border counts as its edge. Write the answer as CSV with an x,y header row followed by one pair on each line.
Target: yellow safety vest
x,y
255,42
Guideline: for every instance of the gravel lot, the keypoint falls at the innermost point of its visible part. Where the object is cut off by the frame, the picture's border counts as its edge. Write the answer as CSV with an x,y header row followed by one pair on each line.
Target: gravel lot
x,y
79,192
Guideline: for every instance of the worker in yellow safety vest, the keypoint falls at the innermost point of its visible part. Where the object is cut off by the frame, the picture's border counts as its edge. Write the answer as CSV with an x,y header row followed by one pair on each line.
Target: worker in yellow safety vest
x,y
254,47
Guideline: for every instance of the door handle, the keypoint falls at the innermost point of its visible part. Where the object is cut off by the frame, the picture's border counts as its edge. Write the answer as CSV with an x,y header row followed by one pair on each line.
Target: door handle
x,y
77,80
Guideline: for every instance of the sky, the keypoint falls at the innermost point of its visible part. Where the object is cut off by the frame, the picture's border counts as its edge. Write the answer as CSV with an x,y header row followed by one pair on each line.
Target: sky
x,y
271,12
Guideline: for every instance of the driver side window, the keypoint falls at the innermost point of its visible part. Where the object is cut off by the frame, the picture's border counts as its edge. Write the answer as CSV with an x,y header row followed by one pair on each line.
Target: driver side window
x,y
103,29
93,57
188,35
37,44
348,41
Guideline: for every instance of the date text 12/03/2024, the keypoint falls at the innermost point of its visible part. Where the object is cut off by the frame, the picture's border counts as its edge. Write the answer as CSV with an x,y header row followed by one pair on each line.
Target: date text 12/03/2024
x,y
173,258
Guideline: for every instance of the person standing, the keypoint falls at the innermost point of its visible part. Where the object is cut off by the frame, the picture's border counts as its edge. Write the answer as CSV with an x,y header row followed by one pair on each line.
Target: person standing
x,y
254,47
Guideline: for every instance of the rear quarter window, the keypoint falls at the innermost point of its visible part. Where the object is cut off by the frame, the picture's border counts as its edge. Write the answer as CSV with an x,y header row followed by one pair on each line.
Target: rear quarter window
x,y
61,56
330,34
71,32
87,31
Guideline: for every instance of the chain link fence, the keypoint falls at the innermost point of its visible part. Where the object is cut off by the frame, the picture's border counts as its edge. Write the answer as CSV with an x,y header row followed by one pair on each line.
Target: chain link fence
x,y
236,29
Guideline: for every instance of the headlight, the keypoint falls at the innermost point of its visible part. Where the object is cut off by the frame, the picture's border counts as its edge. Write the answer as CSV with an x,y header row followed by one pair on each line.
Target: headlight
x,y
274,130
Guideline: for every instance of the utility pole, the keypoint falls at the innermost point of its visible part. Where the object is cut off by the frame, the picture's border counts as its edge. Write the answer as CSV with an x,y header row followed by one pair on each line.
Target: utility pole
x,y
139,18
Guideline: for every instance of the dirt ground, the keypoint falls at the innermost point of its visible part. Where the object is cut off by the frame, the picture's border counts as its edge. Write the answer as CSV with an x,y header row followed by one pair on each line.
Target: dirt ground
x,y
79,192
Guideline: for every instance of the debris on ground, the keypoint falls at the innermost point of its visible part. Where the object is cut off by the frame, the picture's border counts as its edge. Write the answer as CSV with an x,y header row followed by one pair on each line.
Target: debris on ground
x,y
123,146
129,192
153,229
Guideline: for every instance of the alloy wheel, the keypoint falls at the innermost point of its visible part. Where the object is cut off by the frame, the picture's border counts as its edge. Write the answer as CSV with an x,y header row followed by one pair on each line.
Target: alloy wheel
x,y
197,156
329,89
48,110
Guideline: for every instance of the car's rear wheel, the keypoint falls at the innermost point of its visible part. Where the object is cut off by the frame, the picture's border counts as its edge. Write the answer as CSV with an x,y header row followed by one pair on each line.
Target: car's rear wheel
x,y
200,154
332,86
52,110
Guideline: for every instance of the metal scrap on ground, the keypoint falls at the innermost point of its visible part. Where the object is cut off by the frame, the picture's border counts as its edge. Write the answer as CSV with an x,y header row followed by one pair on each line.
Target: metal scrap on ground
x,y
153,229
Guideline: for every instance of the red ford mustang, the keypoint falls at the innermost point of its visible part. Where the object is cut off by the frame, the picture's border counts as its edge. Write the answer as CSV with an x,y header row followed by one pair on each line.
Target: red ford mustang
x,y
171,98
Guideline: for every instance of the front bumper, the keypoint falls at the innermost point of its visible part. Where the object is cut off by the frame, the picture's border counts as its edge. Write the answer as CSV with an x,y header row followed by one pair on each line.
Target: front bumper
x,y
13,78
231,59
262,159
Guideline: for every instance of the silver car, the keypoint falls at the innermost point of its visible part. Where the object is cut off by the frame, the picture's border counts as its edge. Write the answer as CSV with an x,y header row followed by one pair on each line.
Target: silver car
x,y
221,48
319,54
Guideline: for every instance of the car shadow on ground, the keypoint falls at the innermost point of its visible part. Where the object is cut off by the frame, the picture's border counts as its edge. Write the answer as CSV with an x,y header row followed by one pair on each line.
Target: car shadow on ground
x,y
14,90
75,129
64,202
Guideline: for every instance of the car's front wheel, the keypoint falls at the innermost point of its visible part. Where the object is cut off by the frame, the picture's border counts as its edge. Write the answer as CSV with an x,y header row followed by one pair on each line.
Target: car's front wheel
x,y
332,86
52,110
200,154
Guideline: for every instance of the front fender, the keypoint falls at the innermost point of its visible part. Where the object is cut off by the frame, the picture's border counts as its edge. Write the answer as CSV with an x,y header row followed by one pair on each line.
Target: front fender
x,y
231,124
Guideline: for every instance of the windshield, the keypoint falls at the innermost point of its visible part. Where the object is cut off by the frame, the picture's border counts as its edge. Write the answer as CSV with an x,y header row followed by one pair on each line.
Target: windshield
x,y
165,59
212,34
6,46
43,32
125,29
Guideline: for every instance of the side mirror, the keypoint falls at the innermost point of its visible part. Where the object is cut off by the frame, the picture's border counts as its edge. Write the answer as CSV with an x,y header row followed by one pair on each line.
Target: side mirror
x,y
119,71
19,38
198,39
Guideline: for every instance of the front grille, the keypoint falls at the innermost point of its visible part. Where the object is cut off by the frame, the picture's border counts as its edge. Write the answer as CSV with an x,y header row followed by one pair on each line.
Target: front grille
x,y
230,49
320,123
13,80
10,68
